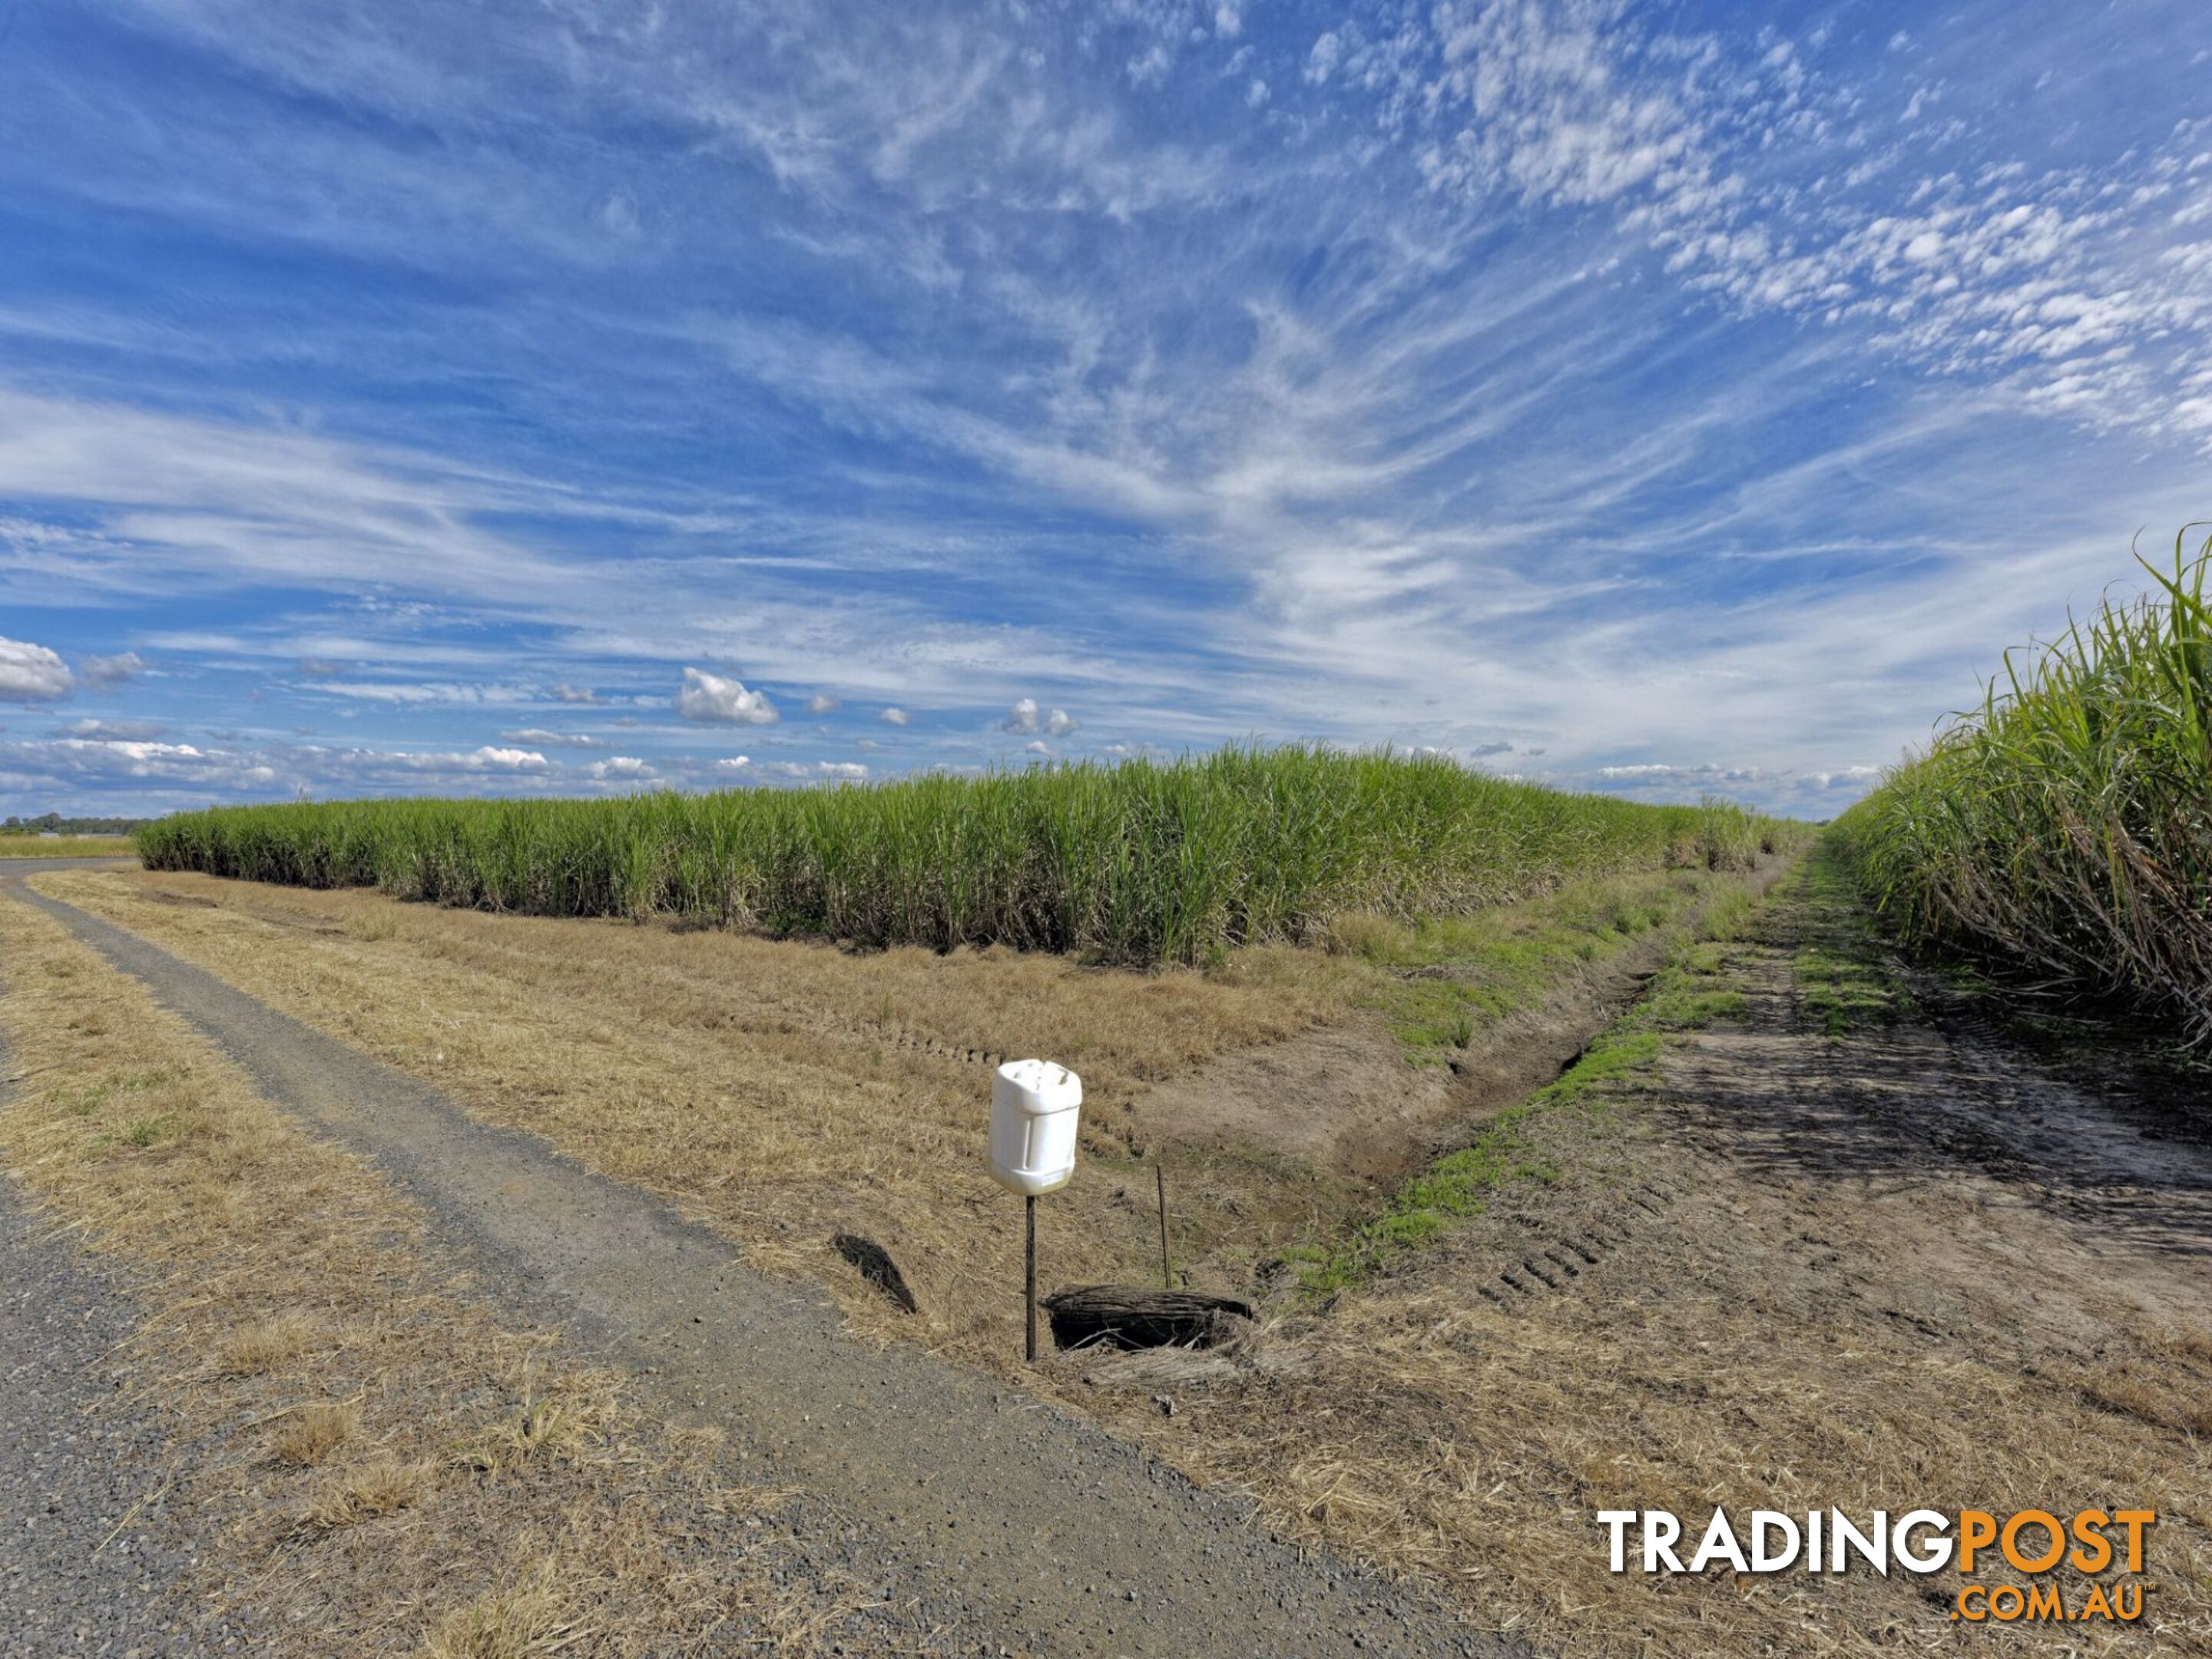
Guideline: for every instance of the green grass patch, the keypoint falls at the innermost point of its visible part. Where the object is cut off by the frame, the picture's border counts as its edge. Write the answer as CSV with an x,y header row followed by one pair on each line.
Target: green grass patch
x,y
65,847
1682,996
146,1131
1442,981
1841,973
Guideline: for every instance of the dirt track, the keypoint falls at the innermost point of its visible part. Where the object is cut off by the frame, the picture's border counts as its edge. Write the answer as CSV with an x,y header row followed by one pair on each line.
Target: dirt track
x,y
1062,1538
1912,1264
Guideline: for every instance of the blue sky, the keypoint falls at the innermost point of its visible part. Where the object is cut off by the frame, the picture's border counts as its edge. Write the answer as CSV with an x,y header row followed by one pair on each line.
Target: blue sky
x,y
571,396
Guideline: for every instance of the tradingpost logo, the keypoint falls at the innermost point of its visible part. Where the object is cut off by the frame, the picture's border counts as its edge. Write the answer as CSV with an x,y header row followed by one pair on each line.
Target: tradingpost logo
x,y
2033,1542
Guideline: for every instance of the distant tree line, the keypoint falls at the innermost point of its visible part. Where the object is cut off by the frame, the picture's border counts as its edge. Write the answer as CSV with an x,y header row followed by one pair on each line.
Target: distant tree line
x,y
55,823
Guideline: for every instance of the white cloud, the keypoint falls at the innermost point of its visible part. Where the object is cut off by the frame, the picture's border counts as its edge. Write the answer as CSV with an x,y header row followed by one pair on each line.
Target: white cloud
x,y
733,763
573,694
1845,777
893,717
799,772
539,737
69,763
31,673
621,768
1711,772
125,731
1321,61
822,703
112,671
724,702
1149,67
423,693
1025,717
1037,748
487,758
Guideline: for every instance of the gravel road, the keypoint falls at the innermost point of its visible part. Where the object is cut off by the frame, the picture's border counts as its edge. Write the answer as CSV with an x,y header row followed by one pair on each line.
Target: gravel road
x,y
74,1578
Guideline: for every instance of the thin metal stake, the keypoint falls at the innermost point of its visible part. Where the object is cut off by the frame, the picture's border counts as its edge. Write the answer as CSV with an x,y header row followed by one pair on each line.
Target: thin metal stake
x,y
1029,1204
1160,1175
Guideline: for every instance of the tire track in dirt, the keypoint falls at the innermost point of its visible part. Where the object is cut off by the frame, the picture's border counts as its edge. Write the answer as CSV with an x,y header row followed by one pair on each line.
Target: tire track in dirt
x,y
1068,1540
1565,1254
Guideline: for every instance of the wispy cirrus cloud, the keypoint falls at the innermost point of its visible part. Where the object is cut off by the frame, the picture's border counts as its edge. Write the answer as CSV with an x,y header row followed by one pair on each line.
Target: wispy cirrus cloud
x,y
1610,389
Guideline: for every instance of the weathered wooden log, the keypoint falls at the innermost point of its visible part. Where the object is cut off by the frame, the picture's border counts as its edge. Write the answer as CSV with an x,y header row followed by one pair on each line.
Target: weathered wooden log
x,y
876,1266
1138,1316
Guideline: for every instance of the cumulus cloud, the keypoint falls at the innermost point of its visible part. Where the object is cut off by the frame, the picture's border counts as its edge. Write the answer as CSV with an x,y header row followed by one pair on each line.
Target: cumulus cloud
x,y
1025,717
733,763
1038,747
619,769
893,717
70,761
848,770
822,702
112,671
573,694
31,673
722,701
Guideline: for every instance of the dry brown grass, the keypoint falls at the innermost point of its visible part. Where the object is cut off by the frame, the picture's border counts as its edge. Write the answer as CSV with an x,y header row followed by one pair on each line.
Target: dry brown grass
x,y
365,1459
784,1091
511,1624
311,1433
266,1344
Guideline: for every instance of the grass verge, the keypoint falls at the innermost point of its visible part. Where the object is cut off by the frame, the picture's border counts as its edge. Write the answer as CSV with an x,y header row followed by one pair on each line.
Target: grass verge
x,y
1686,993
66,847
1840,967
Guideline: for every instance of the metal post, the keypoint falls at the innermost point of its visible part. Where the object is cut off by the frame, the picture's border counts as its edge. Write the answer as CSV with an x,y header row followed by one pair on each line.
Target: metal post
x,y
1028,1302
1160,1176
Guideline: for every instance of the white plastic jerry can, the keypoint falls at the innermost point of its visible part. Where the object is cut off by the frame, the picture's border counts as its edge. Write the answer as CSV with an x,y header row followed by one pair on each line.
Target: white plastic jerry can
x,y
1035,1105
